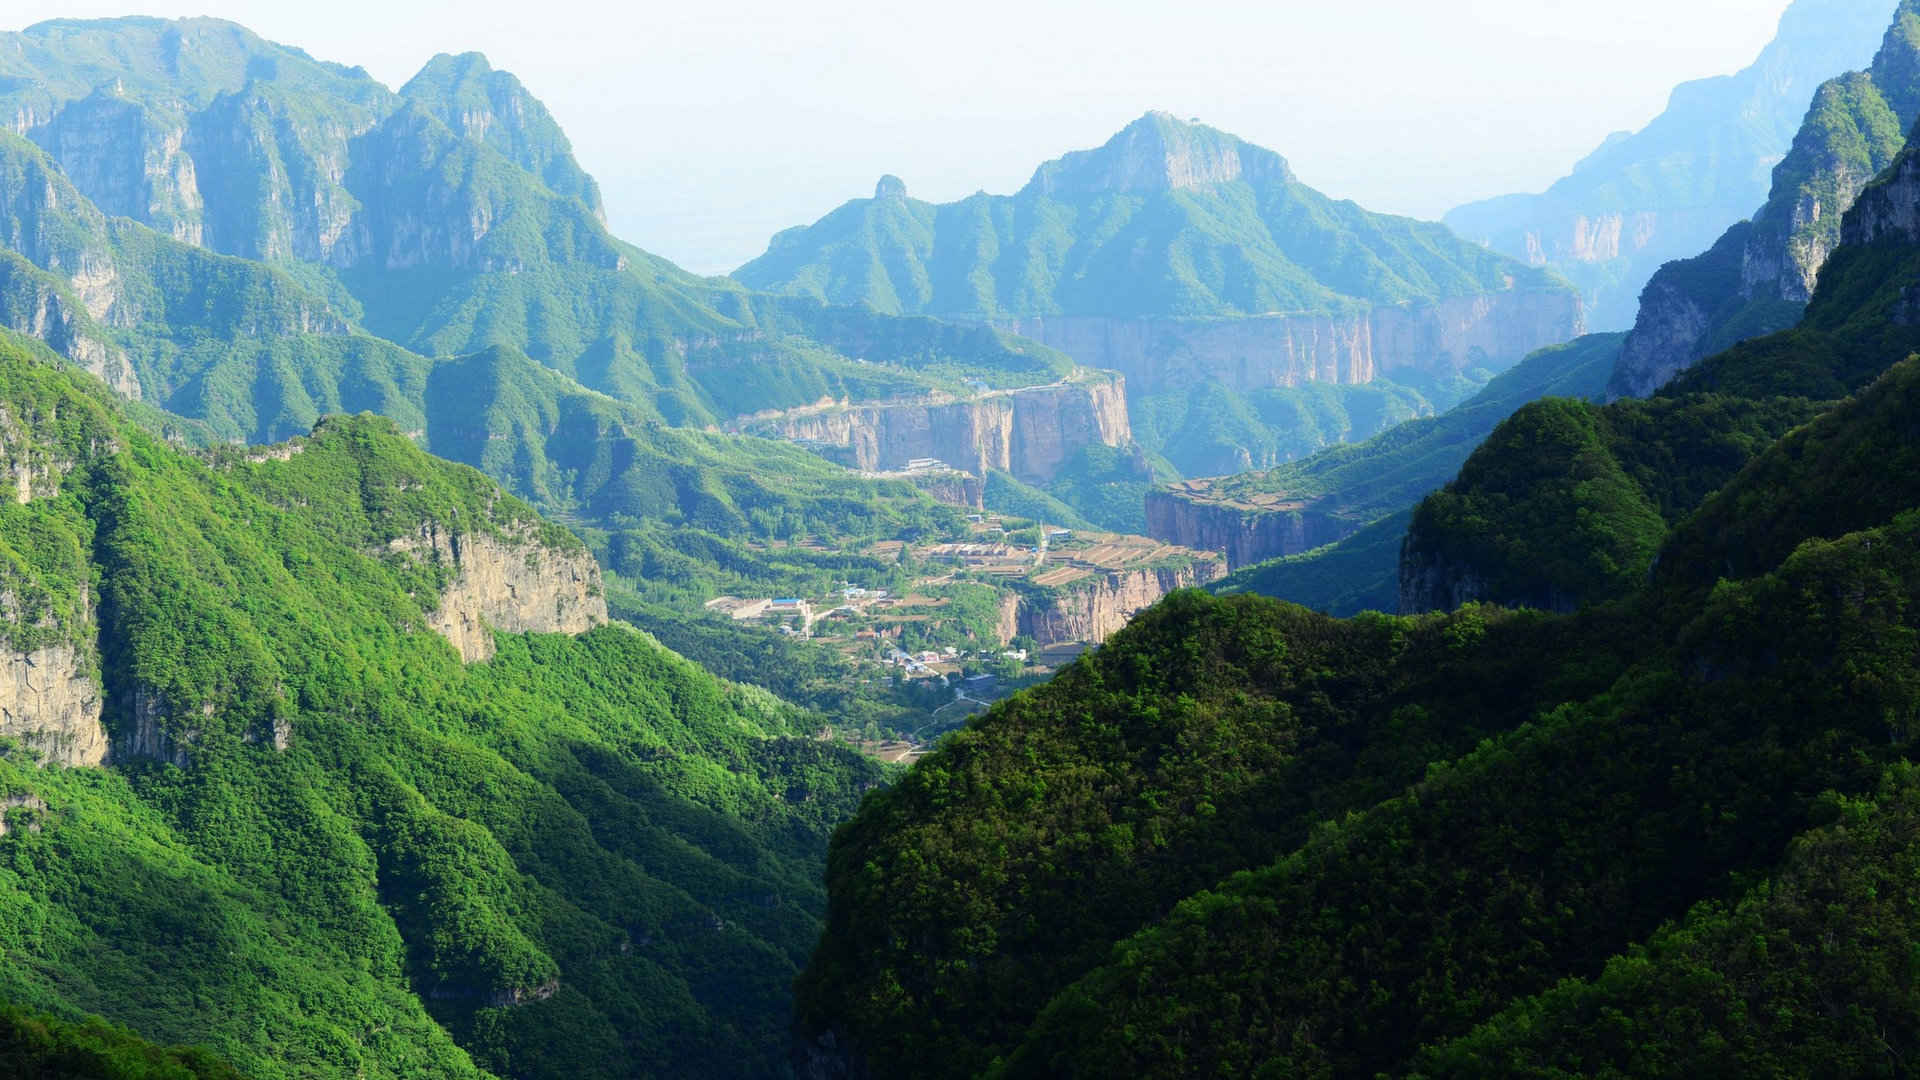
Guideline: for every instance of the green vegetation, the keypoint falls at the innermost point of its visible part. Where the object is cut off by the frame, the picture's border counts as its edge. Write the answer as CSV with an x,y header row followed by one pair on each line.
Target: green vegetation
x,y
1568,503
46,1048
1380,480
1667,833
328,847
1757,278
1007,495
1429,824
1069,243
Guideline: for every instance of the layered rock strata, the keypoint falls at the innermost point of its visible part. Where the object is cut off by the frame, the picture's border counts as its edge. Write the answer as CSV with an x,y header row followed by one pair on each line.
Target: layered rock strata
x,y
511,583
1097,610
1447,336
1030,432
1246,534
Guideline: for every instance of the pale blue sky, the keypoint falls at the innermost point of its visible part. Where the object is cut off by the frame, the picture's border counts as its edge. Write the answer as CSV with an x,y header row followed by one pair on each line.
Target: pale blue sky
x,y
711,124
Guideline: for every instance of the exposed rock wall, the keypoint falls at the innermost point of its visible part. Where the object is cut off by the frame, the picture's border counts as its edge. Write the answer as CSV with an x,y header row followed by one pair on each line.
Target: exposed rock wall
x,y
965,490
1430,581
1007,625
1890,209
31,305
1030,433
1290,350
1096,612
130,162
51,702
510,583
1244,535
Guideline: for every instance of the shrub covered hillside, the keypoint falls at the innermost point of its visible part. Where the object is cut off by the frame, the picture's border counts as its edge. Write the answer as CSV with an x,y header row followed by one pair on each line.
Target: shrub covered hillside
x,y
1556,470
47,1049
261,804
1669,833
1244,839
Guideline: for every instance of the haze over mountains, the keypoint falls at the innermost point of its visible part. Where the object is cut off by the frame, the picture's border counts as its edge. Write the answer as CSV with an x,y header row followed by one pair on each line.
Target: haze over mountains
x,y
1202,270
1665,192
777,687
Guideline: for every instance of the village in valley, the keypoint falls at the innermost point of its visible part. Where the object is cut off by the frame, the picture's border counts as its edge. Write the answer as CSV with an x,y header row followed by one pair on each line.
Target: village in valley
x,y
981,616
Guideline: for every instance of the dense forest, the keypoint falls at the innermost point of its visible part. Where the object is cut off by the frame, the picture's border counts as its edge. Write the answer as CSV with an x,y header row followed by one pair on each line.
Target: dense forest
x,y
375,526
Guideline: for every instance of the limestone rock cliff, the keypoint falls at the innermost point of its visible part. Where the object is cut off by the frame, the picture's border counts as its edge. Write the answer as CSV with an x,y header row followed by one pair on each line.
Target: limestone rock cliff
x,y
1096,611
50,702
510,582
1245,533
1888,210
1030,432
1645,198
1758,278
38,305
1493,330
1160,153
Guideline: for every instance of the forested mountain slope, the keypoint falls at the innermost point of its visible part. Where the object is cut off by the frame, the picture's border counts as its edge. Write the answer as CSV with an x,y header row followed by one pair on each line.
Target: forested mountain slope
x,y
1651,836
1758,277
320,817
1255,319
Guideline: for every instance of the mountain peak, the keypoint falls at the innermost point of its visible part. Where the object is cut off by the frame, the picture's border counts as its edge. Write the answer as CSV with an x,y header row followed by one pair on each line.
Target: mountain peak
x,y
456,66
890,188
1160,152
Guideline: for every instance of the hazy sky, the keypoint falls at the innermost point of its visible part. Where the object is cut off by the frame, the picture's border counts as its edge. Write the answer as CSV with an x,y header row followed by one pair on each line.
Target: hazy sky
x,y
712,124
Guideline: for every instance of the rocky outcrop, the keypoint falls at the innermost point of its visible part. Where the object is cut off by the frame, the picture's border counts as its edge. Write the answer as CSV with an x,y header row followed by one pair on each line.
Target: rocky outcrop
x,y
1030,432
1245,533
50,703
510,582
1095,611
1494,330
34,305
22,811
1759,276
1007,622
1889,210
1159,153
1675,318
950,486
1433,582
150,733
130,162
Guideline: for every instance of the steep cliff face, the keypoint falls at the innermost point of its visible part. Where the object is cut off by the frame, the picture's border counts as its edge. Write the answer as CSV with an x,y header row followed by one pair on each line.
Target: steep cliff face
x,y
1095,612
510,583
1758,278
1442,337
491,106
1646,198
132,161
1889,210
1030,432
1245,534
39,305
50,702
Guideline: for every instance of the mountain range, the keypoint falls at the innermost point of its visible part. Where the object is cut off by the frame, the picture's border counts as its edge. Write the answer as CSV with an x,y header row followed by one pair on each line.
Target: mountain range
x,y
1664,192
752,687
1245,309
1626,793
